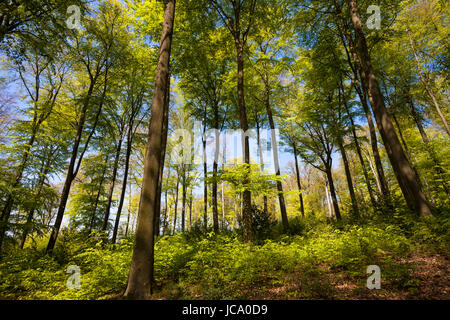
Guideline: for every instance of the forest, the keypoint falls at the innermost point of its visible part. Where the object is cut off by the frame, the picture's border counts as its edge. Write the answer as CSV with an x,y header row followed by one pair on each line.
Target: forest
x,y
224,149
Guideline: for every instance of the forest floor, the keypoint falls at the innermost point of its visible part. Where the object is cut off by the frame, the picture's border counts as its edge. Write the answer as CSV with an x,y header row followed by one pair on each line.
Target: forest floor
x,y
427,279
316,260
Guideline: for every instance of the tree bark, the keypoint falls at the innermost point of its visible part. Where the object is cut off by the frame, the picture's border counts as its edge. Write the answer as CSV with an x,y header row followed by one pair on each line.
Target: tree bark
x,y
246,196
337,212
281,200
437,164
215,166
111,187
176,204
124,182
163,155
261,160
183,201
299,185
412,192
362,90
97,198
140,279
348,176
42,176
427,86
205,188
361,159
72,171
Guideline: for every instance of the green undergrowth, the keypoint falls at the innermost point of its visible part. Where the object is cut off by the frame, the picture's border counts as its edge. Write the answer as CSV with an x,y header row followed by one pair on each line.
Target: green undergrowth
x,y
221,266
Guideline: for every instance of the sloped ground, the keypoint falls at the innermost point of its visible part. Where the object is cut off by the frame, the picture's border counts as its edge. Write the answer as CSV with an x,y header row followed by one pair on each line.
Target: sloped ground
x,y
418,277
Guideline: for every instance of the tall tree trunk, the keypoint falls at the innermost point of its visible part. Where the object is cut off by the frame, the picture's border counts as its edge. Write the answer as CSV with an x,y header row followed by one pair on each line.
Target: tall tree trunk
x,y
183,201
129,210
205,187
261,160
6,212
362,90
412,191
223,184
409,155
166,206
176,204
97,198
361,159
246,196
215,165
112,185
140,279
297,174
71,171
284,217
427,86
437,164
327,193
124,182
163,155
348,176
337,212
190,211
42,176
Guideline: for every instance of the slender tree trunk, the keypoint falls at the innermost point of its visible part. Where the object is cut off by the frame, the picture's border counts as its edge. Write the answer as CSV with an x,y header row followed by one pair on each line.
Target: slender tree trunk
x,y
176,205
129,210
327,193
261,160
112,185
6,212
361,159
190,211
97,198
223,184
205,187
362,91
437,165
183,206
427,86
337,212
140,279
215,166
71,172
39,187
124,183
412,191
348,175
281,200
163,155
246,196
299,185
409,156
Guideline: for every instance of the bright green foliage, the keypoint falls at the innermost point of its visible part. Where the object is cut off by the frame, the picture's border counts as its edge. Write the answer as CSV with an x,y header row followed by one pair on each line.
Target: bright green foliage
x,y
223,267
